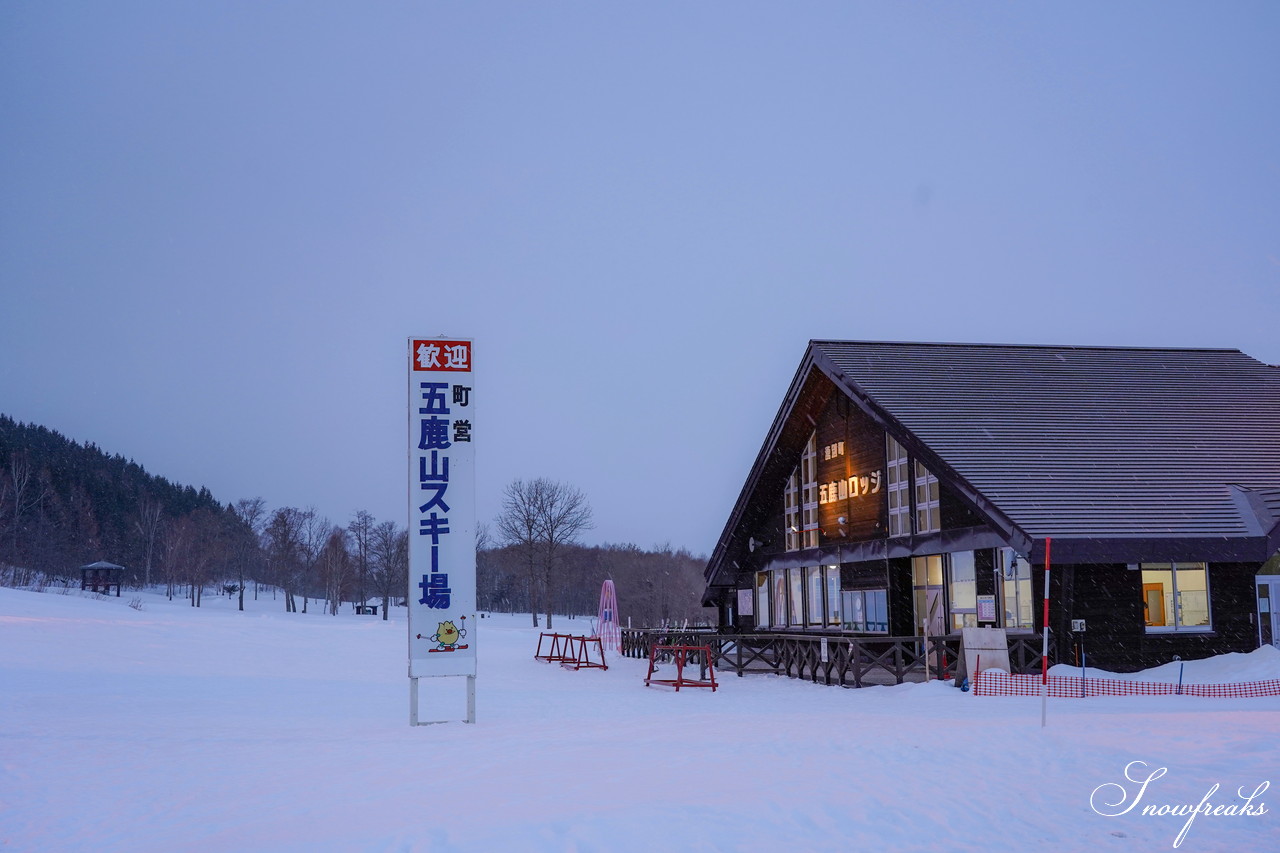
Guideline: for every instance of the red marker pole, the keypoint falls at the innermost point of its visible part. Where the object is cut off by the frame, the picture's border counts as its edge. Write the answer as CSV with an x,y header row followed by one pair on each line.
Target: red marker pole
x,y
1044,650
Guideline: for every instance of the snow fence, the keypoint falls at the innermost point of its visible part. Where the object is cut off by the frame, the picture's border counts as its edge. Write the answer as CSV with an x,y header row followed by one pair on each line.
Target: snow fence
x,y
994,682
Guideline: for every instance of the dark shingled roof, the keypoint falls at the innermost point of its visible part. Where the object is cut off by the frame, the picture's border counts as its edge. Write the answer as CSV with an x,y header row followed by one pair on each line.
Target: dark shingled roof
x,y
1085,441
1088,445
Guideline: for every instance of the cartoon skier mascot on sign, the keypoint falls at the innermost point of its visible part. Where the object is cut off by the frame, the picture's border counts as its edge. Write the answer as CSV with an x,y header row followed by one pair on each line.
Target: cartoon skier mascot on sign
x,y
448,635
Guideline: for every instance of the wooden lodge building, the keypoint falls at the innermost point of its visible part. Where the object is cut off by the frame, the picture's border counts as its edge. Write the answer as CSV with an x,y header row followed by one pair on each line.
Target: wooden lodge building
x,y
912,487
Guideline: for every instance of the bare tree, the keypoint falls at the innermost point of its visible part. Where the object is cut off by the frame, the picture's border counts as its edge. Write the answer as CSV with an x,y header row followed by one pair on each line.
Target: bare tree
x,y
486,575
11,570
194,548
176,546
389,553
313,535
19,487
23,491
564,514
148,523
252,513
539,518
335,568
361,529
283,541
517,525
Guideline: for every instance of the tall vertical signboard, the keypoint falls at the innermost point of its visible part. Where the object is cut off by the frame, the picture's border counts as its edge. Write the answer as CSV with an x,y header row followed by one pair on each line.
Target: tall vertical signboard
x,y
442,515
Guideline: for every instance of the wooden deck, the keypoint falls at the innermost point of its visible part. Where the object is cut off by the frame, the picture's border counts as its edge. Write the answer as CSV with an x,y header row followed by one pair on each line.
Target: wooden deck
x,y
843,660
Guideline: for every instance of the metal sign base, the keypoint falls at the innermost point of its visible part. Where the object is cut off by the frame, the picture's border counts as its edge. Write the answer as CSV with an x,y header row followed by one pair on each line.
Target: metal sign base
x,y
413,703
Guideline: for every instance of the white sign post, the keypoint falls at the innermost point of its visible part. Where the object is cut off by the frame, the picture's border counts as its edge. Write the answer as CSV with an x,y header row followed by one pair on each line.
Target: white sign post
x,y
442,516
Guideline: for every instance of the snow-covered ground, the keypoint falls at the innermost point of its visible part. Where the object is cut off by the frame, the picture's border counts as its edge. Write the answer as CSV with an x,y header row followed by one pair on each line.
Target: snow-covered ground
x,y
170,729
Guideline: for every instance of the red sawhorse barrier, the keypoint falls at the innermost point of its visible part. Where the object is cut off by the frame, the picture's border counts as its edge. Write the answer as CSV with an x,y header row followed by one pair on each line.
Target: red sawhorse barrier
x,y
582,659
683,656
559,650
571,652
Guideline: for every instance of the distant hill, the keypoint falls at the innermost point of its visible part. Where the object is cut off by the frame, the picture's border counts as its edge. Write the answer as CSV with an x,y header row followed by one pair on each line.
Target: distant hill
x,y
64,504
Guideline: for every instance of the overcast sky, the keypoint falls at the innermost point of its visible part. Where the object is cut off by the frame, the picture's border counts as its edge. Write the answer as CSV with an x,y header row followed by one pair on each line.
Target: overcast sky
x,y
220,222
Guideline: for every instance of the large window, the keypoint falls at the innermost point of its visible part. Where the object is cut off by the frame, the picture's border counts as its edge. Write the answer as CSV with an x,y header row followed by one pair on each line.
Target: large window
x,y
809,494
806,597
898,488
1175,596
833,595
791,511
762,600
927,584
928,505
964,591
814,588
779,599
945,588
795,580
1013,579
865,610
800,500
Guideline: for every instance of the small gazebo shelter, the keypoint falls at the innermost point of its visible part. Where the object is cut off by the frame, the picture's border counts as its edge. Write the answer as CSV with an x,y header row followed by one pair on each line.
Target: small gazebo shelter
x,y
101,576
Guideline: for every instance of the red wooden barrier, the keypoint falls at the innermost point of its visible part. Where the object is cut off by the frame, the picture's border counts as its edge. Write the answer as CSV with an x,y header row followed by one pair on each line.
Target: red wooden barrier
x,y
571,652
680,655
581,659
560,650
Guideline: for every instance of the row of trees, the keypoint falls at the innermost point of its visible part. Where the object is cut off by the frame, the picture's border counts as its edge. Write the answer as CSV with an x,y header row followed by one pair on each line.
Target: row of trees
x,y
661,586
538,566
296,553
63,505
305,555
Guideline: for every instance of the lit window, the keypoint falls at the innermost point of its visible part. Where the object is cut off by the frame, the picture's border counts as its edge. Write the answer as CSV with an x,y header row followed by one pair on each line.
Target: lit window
x,y
877,610
809,494
1013,578
928,511
964,591
854,610
1175,597
814,585
897,488
796,590
865,610
791,511
833,595
779,598
928,588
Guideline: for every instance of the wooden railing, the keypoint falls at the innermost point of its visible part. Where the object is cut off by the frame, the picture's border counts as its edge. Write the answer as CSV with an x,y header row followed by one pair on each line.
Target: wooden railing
x,y
840,659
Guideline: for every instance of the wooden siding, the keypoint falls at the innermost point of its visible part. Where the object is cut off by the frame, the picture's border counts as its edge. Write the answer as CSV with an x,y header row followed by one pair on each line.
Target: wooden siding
x,y
1108,596
863,457
901,606
865,515
872,575
956,512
